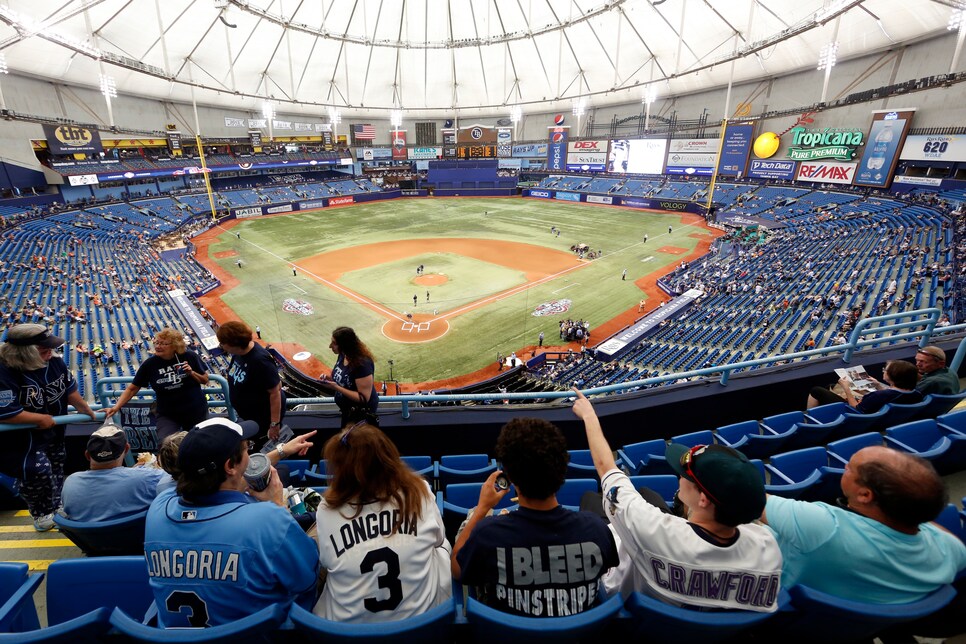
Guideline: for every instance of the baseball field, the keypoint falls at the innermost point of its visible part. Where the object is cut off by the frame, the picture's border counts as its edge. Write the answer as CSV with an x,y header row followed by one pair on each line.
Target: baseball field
x,y
493,276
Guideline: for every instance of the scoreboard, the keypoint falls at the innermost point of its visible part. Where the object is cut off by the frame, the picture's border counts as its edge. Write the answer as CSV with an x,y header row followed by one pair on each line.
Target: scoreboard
x,y
476,152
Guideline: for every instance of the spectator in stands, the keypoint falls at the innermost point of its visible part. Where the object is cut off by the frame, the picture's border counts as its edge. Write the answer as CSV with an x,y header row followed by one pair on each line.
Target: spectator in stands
x,y
900,387
254,386
176,375
168,461
352,376
108,490
374,491
35,386
880,547
936,378
676,559
256,553
542,560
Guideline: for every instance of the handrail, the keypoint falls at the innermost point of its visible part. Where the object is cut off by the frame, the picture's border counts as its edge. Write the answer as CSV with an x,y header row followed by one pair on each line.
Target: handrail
x,y
864,329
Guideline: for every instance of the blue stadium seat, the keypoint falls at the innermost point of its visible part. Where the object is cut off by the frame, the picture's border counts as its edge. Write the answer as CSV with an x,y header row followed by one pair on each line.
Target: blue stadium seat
x,y
943,447
940,404
897,413
664,484
644,458
820,617
828,413
257,627
951,518
655,621
747,438
840,451
954,420
422,465
581,464
17,587
573,490
435,625
464,468
117,537
296,469
799,474
491,625
460,498
78,586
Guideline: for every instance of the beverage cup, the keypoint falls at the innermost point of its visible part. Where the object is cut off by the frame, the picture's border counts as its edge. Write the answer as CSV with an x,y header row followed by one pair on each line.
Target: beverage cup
x,y
259,472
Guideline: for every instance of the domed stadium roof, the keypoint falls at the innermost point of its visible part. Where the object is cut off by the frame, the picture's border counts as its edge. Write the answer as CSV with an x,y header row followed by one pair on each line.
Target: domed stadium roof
x,y
436,57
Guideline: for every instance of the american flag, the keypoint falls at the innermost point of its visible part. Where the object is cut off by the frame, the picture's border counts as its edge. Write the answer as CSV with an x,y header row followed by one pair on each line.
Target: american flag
x,y
364,132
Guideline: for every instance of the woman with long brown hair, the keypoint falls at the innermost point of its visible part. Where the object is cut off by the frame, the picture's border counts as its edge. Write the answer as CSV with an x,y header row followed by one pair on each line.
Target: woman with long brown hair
x,y
381,536
352,380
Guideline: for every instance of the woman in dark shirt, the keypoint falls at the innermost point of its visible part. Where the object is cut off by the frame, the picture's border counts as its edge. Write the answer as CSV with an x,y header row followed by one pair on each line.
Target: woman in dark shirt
x,y
352,379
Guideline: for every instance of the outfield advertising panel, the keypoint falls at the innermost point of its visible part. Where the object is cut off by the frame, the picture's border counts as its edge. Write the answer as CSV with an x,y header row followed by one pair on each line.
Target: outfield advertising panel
x,y
934,147
919,181
540,194
567,196
425,153
587,155
735,150
644,156
599,199
557,149
827,172
886,137
761,169
672,205
530,150
619,344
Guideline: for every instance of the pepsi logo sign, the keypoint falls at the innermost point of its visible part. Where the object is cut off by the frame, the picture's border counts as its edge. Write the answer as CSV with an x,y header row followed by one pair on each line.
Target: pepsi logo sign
x,y
557,137
559,119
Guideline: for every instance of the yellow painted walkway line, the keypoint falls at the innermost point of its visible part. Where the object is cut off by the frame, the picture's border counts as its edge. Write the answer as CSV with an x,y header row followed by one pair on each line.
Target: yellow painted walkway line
x,y
21,513
35,543
10,529
35,565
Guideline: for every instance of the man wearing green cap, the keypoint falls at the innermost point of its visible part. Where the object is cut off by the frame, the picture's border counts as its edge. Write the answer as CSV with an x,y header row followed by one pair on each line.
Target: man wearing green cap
x,y
715,558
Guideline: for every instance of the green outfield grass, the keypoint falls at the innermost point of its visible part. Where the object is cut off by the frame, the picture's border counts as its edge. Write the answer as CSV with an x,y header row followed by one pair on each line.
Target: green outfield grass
x,y
269,247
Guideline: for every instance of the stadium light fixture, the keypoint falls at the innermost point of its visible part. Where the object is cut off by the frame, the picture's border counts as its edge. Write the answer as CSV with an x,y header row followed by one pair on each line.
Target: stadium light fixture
x,y
516,114
108,86
335,117
828,57
650,95
580,107
268,111
396,118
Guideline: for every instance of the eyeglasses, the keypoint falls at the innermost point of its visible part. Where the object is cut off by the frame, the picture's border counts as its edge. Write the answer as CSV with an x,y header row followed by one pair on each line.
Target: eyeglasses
x,y
345,437
686,462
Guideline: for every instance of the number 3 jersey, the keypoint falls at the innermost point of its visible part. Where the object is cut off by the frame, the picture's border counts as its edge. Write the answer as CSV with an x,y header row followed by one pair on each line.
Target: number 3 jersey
x,y
375,574
224,558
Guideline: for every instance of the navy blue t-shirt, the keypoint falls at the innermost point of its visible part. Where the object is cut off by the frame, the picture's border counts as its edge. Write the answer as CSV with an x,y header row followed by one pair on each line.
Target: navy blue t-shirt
x,y
876,400
249,378
345,375
538,563
179,395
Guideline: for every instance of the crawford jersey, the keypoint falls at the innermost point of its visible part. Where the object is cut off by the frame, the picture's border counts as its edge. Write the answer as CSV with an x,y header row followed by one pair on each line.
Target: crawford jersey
x,y
670,561
226,558
377,576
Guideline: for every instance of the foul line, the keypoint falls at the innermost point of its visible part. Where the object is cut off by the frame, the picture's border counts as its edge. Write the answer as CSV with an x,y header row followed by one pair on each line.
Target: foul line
x,y
566,287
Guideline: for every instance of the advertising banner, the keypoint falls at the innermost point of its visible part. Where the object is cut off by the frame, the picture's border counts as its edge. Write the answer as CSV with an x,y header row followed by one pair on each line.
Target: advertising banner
x,y
689,170
557,148
340,201
476,135
541,194
619,344
234,122
587,155
707,146
934,147
245,213
761,169
255,138
82,179
425,153
827,172
504,143
531,150
645,156
919,181
174,143
399,152
735,150
327,140
72,139
260,124
374,154
599,199
203,331
312,205
886,137
567,196
827,143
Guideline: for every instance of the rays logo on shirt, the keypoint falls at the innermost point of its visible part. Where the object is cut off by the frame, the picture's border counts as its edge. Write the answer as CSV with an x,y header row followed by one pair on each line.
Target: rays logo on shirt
x,y
6,398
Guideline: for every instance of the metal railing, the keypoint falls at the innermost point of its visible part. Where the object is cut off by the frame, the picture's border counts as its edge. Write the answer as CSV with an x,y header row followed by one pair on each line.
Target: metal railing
x,y
868,332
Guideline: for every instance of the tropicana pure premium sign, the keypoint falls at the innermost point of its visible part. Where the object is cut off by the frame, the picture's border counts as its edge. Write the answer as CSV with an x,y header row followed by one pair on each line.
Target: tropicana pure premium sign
x,y
827,143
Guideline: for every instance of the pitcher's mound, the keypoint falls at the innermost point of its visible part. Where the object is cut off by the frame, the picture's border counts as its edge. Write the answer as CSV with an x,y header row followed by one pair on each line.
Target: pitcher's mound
x,y
433,279
421,328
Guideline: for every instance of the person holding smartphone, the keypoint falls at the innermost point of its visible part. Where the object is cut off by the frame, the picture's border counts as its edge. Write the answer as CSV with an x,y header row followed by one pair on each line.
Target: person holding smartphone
x,y
176,374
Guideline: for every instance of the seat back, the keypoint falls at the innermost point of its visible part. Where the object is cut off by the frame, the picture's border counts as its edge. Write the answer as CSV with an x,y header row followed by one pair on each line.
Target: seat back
x,y
573,490
841,451
424,466
118,537
581,464
464,468
783,423
257,627
954,420
435,625
17,610
644,458
78,586
491,625
659,622
822,617
828,413
664,484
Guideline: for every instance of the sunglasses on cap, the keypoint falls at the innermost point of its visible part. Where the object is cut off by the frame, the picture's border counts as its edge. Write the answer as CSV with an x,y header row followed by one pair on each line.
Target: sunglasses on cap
x,y
687,459
345,437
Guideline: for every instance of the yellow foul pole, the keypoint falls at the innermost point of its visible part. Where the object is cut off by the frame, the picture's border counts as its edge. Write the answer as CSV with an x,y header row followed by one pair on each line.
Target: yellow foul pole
x,y
204,173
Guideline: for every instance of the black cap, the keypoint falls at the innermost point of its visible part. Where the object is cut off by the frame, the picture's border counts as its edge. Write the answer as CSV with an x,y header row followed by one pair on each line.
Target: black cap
x,y
212,442
25,335
726,477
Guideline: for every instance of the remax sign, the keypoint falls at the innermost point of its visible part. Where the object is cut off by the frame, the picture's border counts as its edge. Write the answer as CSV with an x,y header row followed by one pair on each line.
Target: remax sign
x,y
841,173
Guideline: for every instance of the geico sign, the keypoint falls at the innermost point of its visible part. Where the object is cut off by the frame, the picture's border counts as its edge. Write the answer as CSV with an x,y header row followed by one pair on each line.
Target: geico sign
x,y
586,145
539,193
671,205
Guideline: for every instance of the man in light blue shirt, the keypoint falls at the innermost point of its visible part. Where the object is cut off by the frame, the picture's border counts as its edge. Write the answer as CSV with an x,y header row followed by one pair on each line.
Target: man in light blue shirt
x,y
109,490
881,548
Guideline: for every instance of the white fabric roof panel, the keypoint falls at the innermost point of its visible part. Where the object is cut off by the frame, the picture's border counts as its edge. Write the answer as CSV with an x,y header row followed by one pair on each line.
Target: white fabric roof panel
x,y
431,56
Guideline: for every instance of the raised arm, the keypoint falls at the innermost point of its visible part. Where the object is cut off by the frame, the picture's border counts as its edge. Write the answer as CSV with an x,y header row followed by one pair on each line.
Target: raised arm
x,y
599,447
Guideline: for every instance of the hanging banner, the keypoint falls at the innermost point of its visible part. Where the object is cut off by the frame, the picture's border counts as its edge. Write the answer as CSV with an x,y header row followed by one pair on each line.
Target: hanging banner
x,y
72,139
735,150
504,143
234,122
934,147
327,140
886,137
255,138
260,124
557,148
587,155
399,152
174,143
685,146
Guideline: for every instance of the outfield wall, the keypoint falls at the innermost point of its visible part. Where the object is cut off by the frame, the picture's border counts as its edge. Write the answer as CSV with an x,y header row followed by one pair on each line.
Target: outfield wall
x,y
647,203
